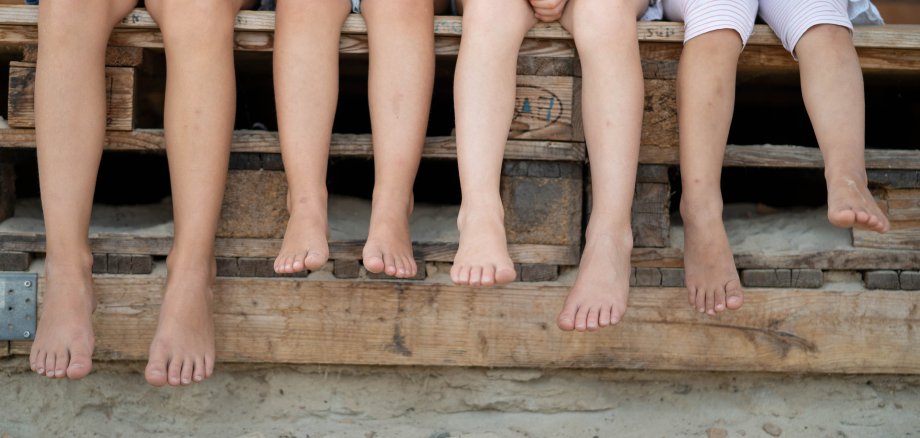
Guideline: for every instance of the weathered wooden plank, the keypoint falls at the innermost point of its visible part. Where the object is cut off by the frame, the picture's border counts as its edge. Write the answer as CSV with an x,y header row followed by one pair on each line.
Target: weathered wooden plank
x,y
114,56
910,280
651,219
543,108
7,186
659,121
782,278
343,145
345,250
799,157
430,323
903,204
903,235
119,83
129,264
346,269
886,279
532,272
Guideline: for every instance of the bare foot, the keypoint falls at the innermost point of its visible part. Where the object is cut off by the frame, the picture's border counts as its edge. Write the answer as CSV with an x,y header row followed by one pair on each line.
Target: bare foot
x,y
389,242
601,290
64,339
482,258
851,205
306,239
182,350
710,274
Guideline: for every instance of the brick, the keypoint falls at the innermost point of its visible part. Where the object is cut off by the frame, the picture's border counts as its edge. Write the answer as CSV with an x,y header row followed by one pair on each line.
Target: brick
x,y
129,264
346,268
648,277
766,278
15,261
882,280
807,278
910,280
672,277
100,264
532,272
227,267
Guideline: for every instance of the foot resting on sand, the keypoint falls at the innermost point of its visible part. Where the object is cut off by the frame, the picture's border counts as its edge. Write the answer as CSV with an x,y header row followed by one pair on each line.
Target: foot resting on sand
x,y
389,243
182,351
64,341
851,205
482,258
710,275
601,290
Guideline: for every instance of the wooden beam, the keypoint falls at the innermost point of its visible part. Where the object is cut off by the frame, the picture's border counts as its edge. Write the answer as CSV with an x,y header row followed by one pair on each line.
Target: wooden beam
x,y
890,36
343,145
114,56
786,156
433,323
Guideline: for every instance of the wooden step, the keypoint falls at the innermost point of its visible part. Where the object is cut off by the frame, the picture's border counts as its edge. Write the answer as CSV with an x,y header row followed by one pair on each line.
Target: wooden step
x,y
325,321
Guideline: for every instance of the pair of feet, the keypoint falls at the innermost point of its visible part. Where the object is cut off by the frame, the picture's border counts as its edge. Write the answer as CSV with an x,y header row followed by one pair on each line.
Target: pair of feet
x,y
182,351
601,290
388,249
711,277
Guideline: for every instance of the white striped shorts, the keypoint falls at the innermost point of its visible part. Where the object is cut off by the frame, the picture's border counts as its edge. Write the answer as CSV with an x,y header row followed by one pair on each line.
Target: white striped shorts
x,y
789,19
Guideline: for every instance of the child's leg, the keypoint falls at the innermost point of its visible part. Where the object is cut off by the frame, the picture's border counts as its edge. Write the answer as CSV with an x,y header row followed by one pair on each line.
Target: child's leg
x,y
200,107
612,94
306,71
401,37
832,87
70,126
484,90
716,32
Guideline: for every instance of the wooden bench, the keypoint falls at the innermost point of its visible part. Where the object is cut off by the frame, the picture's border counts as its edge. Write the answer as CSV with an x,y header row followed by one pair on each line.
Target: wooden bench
x,y
803,312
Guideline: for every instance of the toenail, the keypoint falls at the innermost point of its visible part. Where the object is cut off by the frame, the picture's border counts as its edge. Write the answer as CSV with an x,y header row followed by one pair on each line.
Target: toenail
x,y
198,378
41,371
186,381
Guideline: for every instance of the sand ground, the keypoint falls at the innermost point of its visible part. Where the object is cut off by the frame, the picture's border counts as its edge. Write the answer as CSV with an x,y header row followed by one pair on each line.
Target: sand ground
x,y
365,402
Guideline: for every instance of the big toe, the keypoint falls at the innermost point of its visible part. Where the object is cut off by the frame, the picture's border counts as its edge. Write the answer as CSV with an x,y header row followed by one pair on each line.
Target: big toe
x,y
374,263
156,373
80,366
566,320
315,260
505,275
842,218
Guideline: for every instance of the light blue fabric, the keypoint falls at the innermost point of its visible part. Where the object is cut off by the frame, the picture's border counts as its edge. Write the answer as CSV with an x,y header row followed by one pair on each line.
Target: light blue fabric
x,y
864,12
654,11
356,6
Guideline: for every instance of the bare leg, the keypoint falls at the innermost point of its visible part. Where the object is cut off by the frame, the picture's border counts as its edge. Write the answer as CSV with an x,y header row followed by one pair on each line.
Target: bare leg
x,y
306,70
200,107
831,80
484,91
70,126
706,97
401,37
605,34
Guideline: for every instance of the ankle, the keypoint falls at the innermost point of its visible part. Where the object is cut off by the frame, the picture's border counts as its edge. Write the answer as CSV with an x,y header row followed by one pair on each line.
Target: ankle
x,y
700,205
620,234
185,264
69,262
308,202
846,176
480,208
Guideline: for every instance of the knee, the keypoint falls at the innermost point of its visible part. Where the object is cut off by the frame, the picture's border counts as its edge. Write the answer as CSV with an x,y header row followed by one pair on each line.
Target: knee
x,y
494,15
827,33
76,19
603,23
200,21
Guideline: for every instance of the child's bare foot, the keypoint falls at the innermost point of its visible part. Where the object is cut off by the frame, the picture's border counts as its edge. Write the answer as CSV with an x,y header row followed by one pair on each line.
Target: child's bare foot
x,y
182,350
601,290
389,242
64,339
711,277
306,239
482,258
851,205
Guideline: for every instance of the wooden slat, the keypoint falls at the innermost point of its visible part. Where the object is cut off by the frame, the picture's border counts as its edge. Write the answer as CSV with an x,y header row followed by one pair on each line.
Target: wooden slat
x,y
119,83
432,323
838,260
343,145
543,108
890,36
903,235
114,56
787,157
345,250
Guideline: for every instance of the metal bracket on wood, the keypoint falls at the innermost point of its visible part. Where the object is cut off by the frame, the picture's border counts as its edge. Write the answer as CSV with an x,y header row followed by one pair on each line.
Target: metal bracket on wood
x,y
18,301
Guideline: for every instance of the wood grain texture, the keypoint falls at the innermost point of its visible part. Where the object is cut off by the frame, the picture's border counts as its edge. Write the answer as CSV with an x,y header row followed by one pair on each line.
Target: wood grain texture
x,y
114,56
7,186
119,90
543,108
343,145
431,323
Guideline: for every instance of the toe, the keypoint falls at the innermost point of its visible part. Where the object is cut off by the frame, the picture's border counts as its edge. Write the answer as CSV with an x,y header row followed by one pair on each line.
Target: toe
x,y
691,296
174,371
208,366
566,319
719,301
413,267
61,360
476,276
455,273
505,274
400,263
488,275
315,260
710,302
40,357
700,300
49,364
603,318
464,276
198,374
155,373
591,322
616,315
389,264
734,295
581,318
297,264
81,364
185,376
